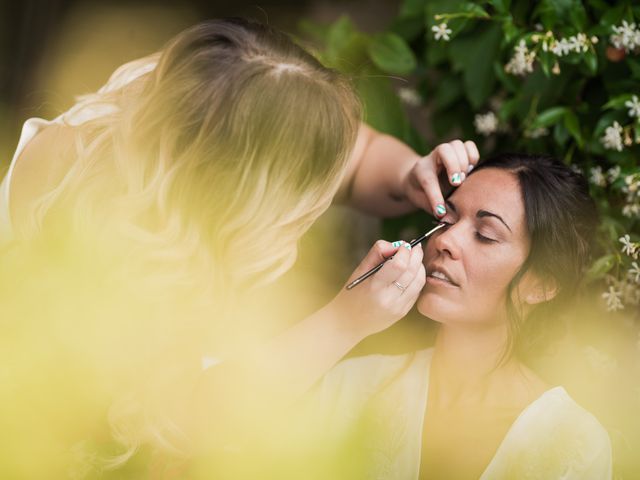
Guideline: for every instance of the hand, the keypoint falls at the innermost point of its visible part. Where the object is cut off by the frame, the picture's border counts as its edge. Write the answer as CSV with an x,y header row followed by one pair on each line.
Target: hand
x,y
421,184
377,303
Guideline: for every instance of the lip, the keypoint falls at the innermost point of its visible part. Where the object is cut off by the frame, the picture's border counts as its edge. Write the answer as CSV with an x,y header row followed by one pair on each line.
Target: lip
x,y
438,281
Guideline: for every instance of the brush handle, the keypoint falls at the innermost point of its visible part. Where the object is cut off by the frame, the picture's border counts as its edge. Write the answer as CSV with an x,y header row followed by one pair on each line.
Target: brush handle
x,y
361,278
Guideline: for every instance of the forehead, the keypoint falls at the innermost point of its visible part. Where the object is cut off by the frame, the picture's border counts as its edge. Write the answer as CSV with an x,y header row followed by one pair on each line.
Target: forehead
x,y
494,190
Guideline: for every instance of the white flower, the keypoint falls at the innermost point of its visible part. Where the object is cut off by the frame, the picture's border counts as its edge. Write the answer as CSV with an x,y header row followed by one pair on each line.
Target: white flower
x,y
632,185
576,169
612,298
628,247
613,173
630,293
597,178
536,132
625,36
441,32
634,107
486,124
612,139
410,96
522,60
561,47
579,43
634,272
576,43
631,210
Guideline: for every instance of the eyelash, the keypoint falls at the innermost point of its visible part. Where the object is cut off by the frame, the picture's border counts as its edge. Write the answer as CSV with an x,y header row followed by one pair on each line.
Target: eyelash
x,y
479,237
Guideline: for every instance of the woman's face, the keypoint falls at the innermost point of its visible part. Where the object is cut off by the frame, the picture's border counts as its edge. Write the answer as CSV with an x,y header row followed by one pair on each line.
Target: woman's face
x,y
480,252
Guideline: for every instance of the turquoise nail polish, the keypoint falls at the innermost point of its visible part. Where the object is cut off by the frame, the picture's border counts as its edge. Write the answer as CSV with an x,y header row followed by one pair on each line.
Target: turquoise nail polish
x,y
396,244
440,209
407,246
455,179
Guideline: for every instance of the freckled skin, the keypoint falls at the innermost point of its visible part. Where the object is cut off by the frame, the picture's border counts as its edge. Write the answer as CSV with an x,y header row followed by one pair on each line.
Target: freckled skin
x,y
482,269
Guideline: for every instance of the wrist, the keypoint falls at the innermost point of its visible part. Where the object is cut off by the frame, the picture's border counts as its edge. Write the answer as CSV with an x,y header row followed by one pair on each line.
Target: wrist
x,y
343,323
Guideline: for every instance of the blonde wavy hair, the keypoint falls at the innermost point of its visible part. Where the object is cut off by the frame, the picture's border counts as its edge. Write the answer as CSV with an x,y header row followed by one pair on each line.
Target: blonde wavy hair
x,y
208,161
215,154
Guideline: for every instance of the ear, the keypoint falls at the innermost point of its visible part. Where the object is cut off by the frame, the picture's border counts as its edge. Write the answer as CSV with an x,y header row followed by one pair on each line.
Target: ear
x,y
534,289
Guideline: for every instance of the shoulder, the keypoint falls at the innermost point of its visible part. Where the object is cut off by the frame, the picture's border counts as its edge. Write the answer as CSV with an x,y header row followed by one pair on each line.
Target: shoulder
x,y
555,434
40,166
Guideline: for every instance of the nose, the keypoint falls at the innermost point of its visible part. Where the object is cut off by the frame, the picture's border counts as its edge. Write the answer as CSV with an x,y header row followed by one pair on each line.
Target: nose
x,y
447,241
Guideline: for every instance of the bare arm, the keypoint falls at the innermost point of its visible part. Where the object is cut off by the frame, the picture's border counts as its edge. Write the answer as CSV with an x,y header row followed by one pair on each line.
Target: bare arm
x,y
385,177
236,396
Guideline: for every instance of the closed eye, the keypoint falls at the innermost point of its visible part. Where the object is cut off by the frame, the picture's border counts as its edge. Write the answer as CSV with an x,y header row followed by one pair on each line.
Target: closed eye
x,y
484,239
478,235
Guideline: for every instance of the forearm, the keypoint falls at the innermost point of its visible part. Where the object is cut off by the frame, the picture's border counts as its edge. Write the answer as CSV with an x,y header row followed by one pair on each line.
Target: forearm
x,y
234,397
375,183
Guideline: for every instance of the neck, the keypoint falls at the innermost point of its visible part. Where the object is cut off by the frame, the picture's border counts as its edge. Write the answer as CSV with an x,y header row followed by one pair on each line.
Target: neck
x,y
466,362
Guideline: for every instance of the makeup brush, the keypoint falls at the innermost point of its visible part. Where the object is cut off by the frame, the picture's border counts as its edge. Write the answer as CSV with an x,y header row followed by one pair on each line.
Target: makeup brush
x,y
379,266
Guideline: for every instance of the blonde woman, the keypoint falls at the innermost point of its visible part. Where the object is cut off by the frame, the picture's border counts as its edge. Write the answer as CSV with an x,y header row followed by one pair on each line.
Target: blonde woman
x,y
230,136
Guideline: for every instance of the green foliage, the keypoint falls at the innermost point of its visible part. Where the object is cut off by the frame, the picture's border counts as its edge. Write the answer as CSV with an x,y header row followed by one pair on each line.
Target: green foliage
x,y
553,72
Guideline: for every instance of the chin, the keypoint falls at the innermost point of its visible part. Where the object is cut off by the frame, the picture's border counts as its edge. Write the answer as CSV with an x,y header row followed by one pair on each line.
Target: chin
x,y
437,308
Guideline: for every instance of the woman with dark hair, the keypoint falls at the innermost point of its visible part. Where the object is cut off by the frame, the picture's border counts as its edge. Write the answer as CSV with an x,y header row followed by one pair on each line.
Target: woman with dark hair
x,y
516,242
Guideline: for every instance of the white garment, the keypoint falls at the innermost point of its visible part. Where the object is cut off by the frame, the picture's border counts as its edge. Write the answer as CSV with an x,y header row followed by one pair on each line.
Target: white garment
x,y
553,438
76,115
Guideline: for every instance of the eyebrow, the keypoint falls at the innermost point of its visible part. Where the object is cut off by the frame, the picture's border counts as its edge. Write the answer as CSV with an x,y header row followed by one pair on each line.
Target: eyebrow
x,y
480,214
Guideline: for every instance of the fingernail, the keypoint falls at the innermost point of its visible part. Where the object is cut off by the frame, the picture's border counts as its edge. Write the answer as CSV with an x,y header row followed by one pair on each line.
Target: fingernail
x,y
440,210
397,244
470,168
407,246
463,176
455,179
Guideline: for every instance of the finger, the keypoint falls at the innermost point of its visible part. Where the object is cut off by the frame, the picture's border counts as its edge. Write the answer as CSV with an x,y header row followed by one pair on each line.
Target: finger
x,y
472,153
463,160
446,155
415,287
429,184
380,251
393,268
408,276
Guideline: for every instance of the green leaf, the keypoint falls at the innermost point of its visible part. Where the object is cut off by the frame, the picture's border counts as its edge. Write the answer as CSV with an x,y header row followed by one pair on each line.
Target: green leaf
x,y
474,56
409,28
591,61
392,54
553,12
383,110
314,30
560,134
613,16
501,6
412,8
601,267
475,11
573,126
547,61
448,92
510,31
549,117
339,34
634,65
617,102
507,109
